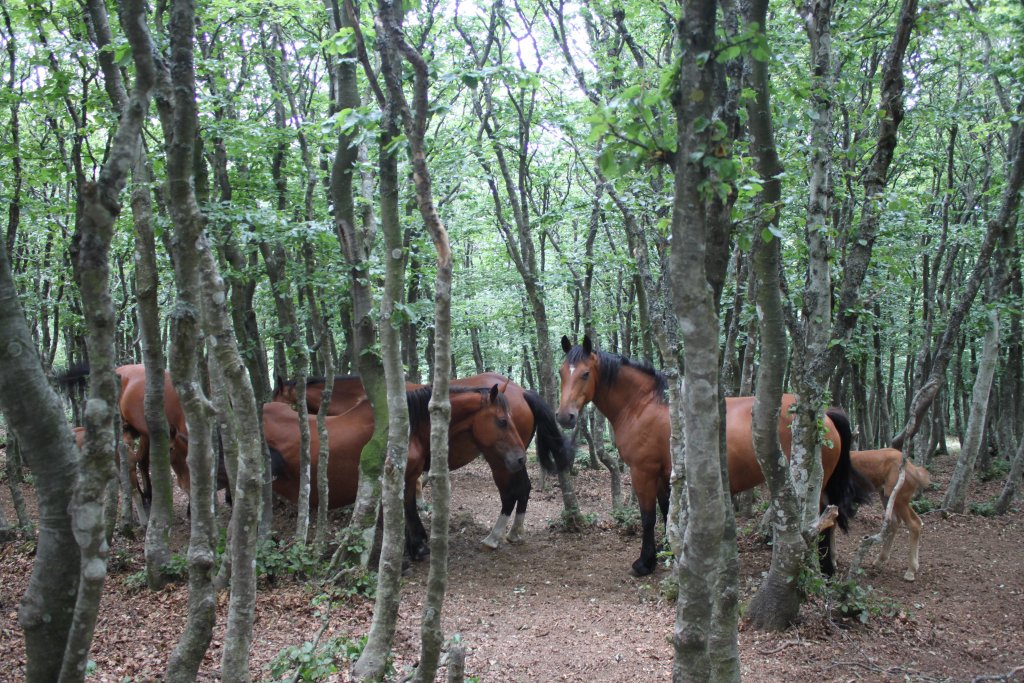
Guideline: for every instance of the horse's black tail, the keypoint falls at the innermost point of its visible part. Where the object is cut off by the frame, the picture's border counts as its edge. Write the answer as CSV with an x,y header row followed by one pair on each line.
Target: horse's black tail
x,y
554,448
846,488
278,466
74,378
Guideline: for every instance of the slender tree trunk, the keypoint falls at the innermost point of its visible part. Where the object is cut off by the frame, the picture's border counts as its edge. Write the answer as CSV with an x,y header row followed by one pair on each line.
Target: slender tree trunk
x,y
700,505
35,417
373,661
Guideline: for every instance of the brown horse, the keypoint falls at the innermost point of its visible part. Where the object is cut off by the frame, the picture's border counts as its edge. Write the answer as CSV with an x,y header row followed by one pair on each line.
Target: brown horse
x,y
882,469
530,415
481,421
131,403
632,396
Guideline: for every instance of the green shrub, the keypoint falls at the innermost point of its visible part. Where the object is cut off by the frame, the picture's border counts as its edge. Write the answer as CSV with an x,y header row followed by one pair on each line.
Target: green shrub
x,y
984,509
627,518
921,505
315,662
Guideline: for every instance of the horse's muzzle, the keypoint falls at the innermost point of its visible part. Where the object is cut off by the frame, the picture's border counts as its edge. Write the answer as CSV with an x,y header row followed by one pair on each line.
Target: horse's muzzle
x,y
566,419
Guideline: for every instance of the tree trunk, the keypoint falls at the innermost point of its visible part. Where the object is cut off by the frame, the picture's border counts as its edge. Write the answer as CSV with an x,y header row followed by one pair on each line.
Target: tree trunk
x,y
35,416
356,245
704,650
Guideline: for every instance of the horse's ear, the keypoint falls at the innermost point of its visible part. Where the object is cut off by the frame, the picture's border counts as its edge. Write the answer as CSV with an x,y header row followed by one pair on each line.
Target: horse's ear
x,y
494,393
588,348
279,383
505,385
566,344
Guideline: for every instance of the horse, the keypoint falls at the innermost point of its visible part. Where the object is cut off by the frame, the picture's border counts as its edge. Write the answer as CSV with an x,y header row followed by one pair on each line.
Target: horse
x,y
481,422
132,406
131,403
882,468
632,396
530,414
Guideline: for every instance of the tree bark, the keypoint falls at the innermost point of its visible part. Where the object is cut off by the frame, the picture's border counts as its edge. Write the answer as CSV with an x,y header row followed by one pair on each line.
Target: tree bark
x,y
700,507
35,416
956,492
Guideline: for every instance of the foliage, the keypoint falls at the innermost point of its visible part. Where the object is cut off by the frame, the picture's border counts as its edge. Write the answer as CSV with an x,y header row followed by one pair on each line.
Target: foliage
x,y
921,505
847,599
295,560
997,470
316,662
627,518
984,508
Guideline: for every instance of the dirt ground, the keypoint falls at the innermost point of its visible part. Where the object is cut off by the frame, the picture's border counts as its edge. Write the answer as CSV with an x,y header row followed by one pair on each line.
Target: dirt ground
x,y
563,607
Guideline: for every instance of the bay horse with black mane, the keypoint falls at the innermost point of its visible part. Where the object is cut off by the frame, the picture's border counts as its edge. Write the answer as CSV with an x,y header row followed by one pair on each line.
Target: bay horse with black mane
x,y
487,420
632,396
132,405
530,416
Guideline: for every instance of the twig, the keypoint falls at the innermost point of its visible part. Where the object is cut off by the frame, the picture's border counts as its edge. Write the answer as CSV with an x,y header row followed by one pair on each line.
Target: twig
x,y
783,646
1004,678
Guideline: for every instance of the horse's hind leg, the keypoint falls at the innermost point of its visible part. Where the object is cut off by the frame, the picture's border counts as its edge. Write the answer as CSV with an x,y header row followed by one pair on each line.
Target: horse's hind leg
x,y
523,486
914,526
888,536
826,552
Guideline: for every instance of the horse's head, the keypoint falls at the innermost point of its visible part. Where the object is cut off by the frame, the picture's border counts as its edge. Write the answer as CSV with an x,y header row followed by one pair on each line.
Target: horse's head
x,y
579,380
284,391
495,433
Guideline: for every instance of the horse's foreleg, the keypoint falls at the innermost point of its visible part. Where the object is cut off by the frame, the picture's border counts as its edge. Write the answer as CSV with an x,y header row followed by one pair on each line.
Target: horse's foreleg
x,y
507,492
647,498
415,534
888,536
523,486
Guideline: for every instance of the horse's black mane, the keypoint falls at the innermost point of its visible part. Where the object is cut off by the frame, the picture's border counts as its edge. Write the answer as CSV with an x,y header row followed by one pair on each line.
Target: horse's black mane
x,y
418,400
611,363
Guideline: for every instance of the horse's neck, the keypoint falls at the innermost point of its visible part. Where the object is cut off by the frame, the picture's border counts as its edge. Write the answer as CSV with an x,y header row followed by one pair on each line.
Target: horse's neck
x,y
632,391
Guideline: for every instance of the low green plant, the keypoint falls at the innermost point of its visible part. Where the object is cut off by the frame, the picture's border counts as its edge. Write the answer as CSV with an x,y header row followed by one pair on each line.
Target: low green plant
x,y
275,559
136,581
315,662
984,509
176,568
997,469
627,518
848,599
921,505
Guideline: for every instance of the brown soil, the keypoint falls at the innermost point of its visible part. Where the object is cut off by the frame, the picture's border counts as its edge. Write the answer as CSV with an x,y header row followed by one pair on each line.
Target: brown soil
x,y
562,606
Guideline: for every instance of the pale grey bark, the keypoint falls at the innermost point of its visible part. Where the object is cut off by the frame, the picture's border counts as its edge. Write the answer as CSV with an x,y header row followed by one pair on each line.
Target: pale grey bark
x,y
98,208
956,492
242,438
356,246
777,603
158,517
35,417
178,115
391,43
810,341
700,504
373,661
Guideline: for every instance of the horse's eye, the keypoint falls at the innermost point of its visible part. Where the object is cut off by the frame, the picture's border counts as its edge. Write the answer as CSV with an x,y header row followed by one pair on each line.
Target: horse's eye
x,y
585,376
502,423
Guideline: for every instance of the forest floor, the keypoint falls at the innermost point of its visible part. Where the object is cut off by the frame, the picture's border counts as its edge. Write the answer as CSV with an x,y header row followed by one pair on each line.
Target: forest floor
x,y
563,607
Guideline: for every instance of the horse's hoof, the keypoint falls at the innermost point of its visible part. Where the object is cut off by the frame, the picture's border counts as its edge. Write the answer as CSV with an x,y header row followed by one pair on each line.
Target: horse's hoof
x,y
515,540
909,576
490,543
640,568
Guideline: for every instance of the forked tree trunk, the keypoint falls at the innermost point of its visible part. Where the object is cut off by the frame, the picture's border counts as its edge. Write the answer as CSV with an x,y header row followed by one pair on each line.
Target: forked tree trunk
x,y
178,116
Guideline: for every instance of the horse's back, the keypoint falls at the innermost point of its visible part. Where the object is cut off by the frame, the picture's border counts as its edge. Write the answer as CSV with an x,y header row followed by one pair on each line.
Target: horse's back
x,y
882,469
